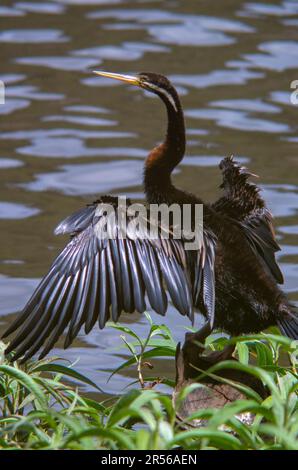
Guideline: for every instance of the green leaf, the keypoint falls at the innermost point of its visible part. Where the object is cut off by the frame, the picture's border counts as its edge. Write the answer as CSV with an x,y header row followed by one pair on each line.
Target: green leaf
x,y
222,439
243,353
27,381
67,371
124,329
155,352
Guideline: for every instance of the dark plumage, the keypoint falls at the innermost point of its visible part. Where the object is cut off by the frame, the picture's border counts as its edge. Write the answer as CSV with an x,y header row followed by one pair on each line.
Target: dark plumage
x,y
231,278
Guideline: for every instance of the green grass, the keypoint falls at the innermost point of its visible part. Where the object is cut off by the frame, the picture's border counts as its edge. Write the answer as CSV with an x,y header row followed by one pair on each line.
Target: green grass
x,y
40,410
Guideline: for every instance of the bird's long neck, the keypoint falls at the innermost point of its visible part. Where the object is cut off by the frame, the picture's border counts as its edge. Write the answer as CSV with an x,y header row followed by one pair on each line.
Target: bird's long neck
x,y
165,157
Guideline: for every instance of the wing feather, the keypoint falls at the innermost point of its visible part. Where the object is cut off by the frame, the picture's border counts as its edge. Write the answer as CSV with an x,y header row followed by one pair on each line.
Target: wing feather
x,y
94,279
92,313
104,291
113,289
37,331
137,280
243,203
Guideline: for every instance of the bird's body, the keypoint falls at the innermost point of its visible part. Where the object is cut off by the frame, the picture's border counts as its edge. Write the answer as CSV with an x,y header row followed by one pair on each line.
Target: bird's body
x,y
232,278
247,297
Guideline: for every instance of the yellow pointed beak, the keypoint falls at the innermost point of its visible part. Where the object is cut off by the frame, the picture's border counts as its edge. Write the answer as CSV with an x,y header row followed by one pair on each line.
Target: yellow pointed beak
x,y
118,76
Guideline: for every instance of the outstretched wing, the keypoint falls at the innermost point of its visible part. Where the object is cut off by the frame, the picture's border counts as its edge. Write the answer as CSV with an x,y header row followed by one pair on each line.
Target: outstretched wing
x,y
97,277
242,202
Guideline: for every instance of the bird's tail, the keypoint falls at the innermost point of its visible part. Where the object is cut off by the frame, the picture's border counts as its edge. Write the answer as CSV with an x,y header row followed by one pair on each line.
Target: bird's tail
x,y
289,326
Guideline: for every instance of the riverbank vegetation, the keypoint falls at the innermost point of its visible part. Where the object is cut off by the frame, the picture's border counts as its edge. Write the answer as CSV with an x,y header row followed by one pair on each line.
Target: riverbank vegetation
x,y
43,407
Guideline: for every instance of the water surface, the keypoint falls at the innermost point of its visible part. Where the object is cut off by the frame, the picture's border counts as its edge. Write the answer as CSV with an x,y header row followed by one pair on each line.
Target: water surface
x,y
67,136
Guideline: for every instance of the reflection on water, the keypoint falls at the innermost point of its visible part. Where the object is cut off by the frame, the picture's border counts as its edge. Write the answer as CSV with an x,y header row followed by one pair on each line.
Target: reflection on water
x,y
12,105
238,120
40,7
282,97
209,160
277,55
10,163
8,11
282,199
31,93
68,147
177,28
89,178
70,64
254,105
32,36
14,291
240,76
232,63
10,210
87,121
126,52
286,8
290,229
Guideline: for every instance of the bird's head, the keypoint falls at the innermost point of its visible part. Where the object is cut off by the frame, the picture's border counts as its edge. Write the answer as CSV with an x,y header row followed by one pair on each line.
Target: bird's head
x,y
152,82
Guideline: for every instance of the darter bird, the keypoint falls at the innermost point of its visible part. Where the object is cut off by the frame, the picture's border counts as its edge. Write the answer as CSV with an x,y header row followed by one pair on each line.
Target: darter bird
x,y
231,278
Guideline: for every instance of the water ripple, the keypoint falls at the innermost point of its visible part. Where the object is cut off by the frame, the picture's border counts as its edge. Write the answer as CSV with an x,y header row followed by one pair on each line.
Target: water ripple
x,y
289,230
278,56
42,7
208,160
14,293
182,29
10,163
256,105
59,62
83,120
281,97
8,78
33,36
11,210
86,109
60,132
65,147
282,199
91,2
217,77
285,8
9,11
31,93
239,120
12,105
89,178
128,51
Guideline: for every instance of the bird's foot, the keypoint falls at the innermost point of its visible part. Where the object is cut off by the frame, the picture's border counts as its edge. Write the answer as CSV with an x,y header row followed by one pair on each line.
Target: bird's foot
x,y
192,358
191,352
197,339
223,355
